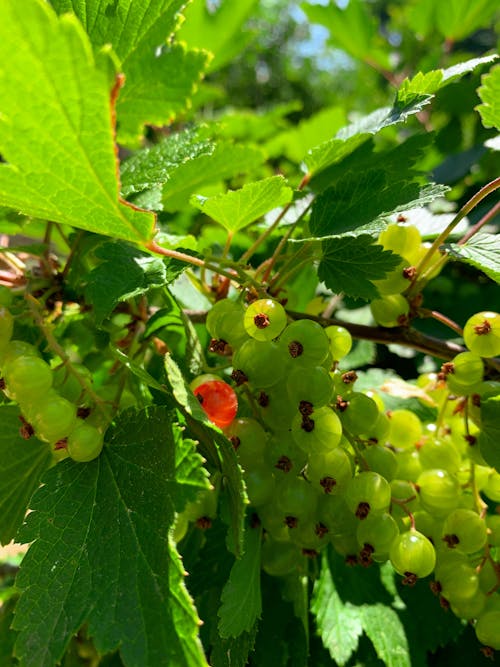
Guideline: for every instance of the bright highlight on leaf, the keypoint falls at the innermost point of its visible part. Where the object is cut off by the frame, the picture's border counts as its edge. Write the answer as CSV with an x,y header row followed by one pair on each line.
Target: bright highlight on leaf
x,y
236,209
56,131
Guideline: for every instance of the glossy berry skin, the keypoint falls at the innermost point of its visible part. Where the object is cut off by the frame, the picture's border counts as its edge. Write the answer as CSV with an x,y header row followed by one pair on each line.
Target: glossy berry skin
x,y
413,553
53,417
218,400
28,378
482,334
264,319
84,442
390,311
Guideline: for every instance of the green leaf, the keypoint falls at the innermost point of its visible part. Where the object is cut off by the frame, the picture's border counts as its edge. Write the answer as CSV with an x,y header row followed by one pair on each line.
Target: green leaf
x,y
281,640
351,137
136,369
157,88
101,554
356,200
158,84
68,118
215,446
332,151
125,272
489,436
429,83
338,624
152,167
218,29
236,209
295,142
489,92
7,635
23,462
241,602
234,651
457,19
190,475
352,29
481,251
383,626
226,161
420,613
349,264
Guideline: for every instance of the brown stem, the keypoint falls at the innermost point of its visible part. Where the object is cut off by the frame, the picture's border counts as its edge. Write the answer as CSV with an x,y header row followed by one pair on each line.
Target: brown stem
x,y
436,315
466,208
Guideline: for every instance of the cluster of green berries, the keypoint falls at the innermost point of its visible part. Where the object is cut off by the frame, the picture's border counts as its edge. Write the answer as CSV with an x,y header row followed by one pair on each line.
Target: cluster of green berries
x,y
47,397
326,464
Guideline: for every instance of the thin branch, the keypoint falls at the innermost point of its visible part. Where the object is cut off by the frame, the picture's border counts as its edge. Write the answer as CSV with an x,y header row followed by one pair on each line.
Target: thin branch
x,y
466,208
486,218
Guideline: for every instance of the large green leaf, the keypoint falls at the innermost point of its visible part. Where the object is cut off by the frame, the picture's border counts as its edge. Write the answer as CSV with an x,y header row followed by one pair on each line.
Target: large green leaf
x,y
23,462
236,209
101,554
241,597
490,96
339,625
158,84
56,137
481,251
350,263
356,200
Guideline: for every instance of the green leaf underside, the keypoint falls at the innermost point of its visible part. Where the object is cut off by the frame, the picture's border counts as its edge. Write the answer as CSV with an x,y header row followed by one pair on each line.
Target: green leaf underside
x,y
236,209
355,202
157,86
482,251
23,462
489,437
59,148
221,451
125,272
101,555
354,602
489,93
349,264
241,601
339,625
386,632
